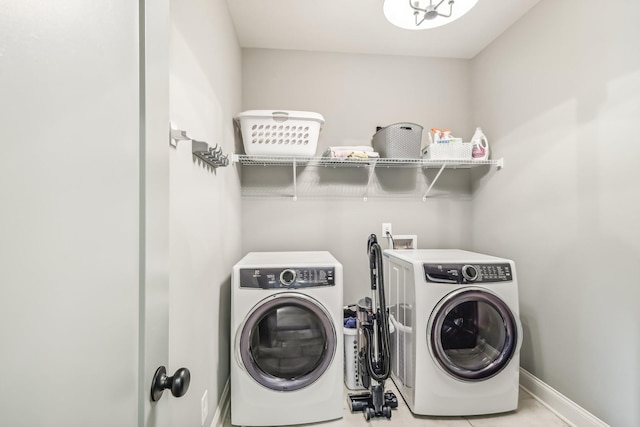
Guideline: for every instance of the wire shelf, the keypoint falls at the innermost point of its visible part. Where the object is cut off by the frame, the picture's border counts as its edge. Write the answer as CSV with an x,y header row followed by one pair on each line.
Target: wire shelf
x,y
368,165
260,160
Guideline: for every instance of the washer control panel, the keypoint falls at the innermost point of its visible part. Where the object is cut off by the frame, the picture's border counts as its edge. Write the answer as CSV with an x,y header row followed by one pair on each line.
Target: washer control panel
x,y
467,273
282,278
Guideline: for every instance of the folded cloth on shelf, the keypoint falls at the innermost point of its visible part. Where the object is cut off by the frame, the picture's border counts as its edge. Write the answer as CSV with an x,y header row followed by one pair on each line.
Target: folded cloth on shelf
x,y
365,148
349,152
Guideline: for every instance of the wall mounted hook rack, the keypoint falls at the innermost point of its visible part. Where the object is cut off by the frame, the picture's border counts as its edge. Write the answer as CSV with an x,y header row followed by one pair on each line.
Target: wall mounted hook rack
x,y
213,156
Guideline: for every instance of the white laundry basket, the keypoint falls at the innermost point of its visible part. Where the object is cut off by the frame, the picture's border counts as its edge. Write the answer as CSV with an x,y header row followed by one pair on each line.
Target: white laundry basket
x,y
280,132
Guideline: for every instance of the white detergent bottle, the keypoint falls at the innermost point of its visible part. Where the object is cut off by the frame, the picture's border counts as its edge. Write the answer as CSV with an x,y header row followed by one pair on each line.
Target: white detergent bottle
x,y
479,145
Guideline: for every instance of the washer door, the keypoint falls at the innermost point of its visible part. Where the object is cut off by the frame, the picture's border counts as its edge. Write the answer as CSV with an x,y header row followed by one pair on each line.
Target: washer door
x,y
287,341
472,334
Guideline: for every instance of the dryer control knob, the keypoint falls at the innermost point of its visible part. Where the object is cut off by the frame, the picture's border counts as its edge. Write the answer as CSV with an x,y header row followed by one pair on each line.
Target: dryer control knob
x,y
470,273
287,277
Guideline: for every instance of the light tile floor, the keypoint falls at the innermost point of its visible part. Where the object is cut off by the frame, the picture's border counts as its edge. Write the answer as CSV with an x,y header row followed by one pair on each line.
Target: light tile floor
x,y
530,413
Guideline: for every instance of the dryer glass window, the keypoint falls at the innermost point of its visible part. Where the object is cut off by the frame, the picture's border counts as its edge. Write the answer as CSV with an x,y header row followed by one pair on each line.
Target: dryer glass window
x,y
473,335
288,343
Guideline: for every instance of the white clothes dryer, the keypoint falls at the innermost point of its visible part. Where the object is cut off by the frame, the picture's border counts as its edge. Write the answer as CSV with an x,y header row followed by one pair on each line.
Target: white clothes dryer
x,y
457,333
286,339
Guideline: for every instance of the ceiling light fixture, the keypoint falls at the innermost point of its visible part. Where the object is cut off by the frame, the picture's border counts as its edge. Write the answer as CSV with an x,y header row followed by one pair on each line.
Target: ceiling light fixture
x,y
423,14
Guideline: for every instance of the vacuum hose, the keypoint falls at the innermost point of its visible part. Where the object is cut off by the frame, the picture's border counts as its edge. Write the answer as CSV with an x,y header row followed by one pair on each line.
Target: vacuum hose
x,y
382,370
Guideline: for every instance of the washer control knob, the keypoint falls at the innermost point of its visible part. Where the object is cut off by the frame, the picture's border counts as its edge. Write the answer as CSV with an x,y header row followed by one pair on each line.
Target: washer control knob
x,y
287,277
470,273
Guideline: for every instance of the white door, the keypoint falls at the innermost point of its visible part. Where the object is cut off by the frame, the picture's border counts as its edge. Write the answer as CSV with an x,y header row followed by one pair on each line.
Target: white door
x,y
84,211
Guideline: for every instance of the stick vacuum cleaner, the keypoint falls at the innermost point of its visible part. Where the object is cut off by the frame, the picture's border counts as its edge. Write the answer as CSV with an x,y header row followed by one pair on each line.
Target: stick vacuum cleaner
x,y
374,356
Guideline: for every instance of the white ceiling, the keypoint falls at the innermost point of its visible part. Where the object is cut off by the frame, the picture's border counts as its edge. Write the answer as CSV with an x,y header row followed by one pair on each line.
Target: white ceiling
x,y
358,26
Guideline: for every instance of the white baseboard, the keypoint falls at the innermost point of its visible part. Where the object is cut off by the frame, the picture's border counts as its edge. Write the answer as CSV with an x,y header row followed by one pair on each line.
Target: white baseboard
x,y
223,407
569,411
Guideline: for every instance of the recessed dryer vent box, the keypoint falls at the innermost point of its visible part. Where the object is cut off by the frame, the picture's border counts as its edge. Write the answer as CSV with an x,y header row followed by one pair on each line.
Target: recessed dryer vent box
x,y
405,241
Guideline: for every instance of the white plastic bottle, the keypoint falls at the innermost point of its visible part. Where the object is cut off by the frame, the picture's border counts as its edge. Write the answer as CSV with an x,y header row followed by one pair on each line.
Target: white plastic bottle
x,y
479,145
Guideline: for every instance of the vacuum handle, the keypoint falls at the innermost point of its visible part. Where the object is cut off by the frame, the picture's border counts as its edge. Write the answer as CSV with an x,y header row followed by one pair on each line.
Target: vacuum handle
x,y
371,244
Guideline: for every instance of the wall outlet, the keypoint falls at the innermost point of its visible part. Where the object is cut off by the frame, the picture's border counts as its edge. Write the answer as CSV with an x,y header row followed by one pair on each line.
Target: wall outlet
x,y
204,406
386,228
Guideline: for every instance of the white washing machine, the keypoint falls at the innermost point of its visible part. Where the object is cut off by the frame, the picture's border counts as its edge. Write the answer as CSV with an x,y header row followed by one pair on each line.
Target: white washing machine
x,y
457,333
286,339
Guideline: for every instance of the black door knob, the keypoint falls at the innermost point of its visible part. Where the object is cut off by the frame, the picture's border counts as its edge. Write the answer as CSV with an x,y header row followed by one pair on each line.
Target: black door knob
x,y
178,383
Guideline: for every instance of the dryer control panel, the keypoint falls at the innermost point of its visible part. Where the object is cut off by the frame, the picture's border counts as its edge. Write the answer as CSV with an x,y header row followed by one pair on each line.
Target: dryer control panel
x,y
467,273
282,278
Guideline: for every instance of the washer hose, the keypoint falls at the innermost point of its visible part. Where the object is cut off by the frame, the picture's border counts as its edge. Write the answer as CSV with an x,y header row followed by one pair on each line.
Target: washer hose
x,y
383,370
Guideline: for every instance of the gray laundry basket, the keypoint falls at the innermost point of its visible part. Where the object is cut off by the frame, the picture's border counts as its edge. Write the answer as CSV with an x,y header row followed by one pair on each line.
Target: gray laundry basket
x,y
399,141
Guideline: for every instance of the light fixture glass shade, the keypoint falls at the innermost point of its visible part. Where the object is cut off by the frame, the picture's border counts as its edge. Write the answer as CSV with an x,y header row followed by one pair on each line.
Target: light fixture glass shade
x,y
401,14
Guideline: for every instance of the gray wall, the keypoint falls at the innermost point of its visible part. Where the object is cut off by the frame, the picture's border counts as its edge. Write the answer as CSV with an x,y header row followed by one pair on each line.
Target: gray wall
x,y
559,97
205,203
356,93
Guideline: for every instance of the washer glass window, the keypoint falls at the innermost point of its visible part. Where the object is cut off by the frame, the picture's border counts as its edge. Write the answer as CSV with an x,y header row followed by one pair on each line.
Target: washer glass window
x,y
287,342
473,334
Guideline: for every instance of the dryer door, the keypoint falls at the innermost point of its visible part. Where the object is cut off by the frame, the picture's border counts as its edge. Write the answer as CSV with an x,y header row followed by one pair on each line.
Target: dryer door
x,y
472,334
287,341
